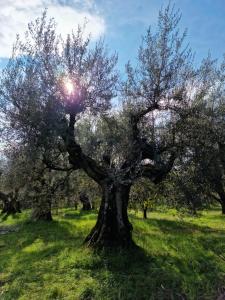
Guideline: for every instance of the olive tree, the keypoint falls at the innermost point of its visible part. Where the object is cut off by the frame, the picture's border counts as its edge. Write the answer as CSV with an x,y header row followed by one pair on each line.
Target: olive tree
x,y
145,195
208,149
50,86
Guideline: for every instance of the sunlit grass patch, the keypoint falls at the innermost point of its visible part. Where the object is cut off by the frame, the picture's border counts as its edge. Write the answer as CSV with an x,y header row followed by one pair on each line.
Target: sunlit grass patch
x,y
178,257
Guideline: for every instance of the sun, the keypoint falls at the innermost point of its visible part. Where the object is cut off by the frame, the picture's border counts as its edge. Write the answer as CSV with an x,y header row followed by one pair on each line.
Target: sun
x,y
69,86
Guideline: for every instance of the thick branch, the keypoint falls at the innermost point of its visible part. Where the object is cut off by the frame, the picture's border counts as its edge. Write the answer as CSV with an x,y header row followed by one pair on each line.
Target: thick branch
x,y
138,145
157,173
139,115
76,156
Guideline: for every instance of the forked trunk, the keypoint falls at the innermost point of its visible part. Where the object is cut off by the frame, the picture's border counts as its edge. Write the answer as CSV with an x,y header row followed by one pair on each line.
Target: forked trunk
x,y
113,228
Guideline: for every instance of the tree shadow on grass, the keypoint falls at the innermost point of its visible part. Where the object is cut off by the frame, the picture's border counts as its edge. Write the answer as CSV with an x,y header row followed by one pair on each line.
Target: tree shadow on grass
x,y
176,262
135,275
186,267
182,226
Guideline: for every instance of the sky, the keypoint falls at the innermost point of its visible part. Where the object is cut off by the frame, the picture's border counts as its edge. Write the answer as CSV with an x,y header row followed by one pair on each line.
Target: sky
x,y
122,23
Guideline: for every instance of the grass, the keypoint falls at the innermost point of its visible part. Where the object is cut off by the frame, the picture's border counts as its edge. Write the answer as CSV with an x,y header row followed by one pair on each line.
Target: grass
x,y
178,258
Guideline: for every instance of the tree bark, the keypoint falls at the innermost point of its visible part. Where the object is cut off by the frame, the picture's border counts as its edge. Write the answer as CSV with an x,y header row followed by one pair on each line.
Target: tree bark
x,y
85,202
113,228
42,211
11,207
75,204
10,204
145,212
220,191
223,207
222,202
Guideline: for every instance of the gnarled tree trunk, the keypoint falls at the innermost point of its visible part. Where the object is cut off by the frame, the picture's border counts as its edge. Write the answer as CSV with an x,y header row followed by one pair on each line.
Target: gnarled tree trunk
x,y
84,199
42,210
10,204
11,207
113,228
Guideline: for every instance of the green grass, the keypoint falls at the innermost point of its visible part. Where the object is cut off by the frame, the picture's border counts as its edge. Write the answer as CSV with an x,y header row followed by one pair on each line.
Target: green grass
x,y
178,258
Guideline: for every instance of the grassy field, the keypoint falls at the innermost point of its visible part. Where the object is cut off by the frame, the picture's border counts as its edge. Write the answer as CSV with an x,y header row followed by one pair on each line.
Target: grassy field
x,y
179,258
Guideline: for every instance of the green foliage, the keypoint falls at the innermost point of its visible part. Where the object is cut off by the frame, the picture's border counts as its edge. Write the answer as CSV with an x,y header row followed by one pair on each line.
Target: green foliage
x,y
180,259
145,195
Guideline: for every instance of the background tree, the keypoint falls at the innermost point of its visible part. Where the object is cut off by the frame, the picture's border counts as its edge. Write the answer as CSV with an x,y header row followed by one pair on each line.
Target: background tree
x,y
203,135
209,154
145,195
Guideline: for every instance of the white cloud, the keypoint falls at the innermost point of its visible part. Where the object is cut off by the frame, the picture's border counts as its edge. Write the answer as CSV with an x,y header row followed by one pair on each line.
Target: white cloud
x,y
15,15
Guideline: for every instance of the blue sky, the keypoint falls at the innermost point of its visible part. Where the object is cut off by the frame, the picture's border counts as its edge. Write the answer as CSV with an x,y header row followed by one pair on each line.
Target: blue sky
x,y
122,22
128,20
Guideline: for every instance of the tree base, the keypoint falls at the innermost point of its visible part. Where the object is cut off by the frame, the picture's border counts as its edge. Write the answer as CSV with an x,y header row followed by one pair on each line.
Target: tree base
x,y
113,229
85,201
222,208
103,237
145,213
41,216
11,208
86,208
